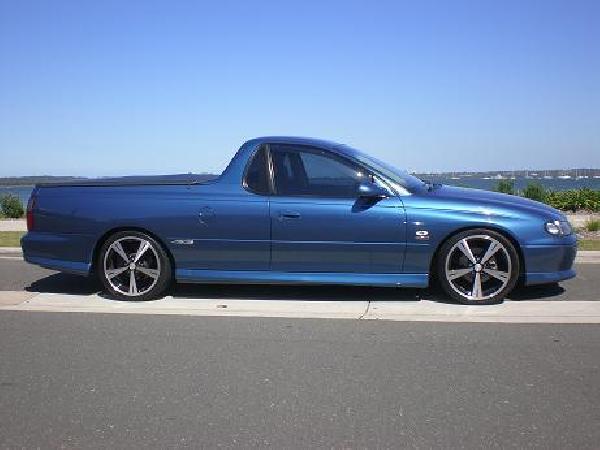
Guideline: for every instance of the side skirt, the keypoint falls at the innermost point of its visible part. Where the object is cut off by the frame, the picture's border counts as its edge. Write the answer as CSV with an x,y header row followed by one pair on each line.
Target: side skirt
x,y
420,280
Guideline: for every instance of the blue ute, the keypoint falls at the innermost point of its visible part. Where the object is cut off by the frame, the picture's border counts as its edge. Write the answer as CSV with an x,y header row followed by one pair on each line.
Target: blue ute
x,y
297,210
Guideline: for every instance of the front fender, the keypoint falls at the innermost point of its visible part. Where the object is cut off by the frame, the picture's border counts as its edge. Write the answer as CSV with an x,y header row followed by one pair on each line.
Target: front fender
x,y
428,228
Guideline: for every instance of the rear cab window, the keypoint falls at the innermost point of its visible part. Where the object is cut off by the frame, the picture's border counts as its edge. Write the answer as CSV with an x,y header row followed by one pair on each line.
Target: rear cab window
x,y
256,178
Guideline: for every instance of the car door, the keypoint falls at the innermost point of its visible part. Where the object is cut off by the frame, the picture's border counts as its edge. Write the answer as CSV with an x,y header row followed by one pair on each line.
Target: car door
x,y
320,224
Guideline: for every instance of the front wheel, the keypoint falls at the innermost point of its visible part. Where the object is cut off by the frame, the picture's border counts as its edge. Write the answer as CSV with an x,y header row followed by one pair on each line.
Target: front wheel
x,y
478,267
133,266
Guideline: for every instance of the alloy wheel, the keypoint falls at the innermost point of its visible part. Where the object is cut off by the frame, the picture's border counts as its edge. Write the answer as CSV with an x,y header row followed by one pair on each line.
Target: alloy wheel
x,y
478,267
132,266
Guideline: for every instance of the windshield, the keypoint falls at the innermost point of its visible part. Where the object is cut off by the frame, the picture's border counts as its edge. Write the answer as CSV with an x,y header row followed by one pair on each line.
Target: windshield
x,y
393,174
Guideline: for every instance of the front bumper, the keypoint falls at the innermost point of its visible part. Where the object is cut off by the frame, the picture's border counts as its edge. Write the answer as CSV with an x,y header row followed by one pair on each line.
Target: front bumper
x,y
549,263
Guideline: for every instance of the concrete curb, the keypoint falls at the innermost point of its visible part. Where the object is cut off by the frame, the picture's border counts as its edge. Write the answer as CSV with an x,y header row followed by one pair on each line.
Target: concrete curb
x,y
507,312
402,311
189,306
588,257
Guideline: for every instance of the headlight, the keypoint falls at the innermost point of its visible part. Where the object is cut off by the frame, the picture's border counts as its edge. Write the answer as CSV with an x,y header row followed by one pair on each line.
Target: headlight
x,y
558,228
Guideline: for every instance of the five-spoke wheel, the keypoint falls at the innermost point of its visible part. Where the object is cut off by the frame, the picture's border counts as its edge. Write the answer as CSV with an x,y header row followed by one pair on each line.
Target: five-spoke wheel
x,y
133,266
478,267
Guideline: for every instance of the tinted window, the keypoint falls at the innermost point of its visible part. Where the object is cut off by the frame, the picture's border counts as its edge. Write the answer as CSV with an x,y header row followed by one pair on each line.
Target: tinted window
x,y
257,179
312,172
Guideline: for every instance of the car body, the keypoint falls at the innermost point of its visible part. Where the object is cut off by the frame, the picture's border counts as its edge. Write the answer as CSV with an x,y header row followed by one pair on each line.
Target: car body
x,y
248,227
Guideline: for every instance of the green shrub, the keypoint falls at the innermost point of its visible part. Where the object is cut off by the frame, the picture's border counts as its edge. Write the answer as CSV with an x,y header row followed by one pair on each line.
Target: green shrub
x,y
593,225
506,187
535,191
574,200
11,206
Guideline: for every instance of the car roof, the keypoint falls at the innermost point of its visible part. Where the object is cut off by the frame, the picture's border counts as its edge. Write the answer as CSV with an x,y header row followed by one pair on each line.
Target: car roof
x,y
321,143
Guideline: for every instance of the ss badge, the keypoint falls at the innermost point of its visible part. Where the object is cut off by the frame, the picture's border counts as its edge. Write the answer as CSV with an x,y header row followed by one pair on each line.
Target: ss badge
x,y
421,235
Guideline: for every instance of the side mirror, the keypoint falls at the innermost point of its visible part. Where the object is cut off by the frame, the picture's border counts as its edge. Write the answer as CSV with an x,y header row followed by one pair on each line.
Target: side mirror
x,y
371,190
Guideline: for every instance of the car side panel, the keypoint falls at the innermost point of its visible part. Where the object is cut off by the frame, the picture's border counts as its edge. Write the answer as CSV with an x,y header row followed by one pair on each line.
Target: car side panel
x,y
228,230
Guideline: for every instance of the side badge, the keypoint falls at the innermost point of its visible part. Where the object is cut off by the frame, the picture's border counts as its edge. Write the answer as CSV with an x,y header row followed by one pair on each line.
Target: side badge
x,y
421,235
183,242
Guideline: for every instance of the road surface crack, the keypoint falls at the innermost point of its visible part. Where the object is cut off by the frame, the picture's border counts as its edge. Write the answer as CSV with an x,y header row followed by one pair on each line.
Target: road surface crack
x,y
366,311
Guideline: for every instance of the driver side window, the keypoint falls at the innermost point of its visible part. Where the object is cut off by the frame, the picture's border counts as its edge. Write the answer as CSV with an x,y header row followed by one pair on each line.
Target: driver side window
x,y
300,171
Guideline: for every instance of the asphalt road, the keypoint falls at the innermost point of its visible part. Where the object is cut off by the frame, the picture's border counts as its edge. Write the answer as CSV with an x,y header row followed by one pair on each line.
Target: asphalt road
x,y
16,275
77,380
91,380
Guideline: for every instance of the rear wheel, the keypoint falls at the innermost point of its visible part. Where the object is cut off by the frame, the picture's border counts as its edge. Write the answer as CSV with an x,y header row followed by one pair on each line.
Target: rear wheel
x,y
478,267
133,266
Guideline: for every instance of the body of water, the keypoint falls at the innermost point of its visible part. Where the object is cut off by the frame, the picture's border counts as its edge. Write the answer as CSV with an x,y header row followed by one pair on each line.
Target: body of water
x,y
23,192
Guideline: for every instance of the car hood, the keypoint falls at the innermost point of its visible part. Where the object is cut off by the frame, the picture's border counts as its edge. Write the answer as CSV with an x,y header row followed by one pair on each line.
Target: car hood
x,y
462,197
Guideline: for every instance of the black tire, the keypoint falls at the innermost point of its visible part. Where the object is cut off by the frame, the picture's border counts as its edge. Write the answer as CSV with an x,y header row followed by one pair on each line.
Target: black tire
x,y
481,284
152,272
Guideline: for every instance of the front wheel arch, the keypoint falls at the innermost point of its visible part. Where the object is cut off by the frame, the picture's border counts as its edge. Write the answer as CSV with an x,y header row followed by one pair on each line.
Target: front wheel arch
x,y
433,263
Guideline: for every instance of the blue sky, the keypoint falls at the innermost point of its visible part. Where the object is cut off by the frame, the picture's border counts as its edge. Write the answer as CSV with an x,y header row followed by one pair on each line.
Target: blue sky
x,y
125,87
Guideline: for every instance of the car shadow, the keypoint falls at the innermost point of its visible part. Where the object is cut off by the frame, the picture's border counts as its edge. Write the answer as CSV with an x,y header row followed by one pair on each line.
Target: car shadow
x,y
64,283
61,283
537,292
292,292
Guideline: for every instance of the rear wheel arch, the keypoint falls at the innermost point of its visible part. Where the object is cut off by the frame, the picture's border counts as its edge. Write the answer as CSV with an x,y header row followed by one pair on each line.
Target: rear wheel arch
x,y
100,242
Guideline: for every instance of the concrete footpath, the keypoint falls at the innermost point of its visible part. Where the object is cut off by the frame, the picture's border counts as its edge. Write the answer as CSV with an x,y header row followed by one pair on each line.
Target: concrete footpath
x,y
424,311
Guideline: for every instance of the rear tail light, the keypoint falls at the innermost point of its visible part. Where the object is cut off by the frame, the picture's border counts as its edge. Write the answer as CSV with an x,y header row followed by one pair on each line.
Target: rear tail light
x,y
30,207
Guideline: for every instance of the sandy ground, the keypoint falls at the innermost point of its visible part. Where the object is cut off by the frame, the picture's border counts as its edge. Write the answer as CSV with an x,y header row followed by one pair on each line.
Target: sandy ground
x,y
13,225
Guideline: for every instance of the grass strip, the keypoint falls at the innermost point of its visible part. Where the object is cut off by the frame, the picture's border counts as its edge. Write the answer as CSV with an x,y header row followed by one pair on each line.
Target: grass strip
x,y
589,244
11,238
